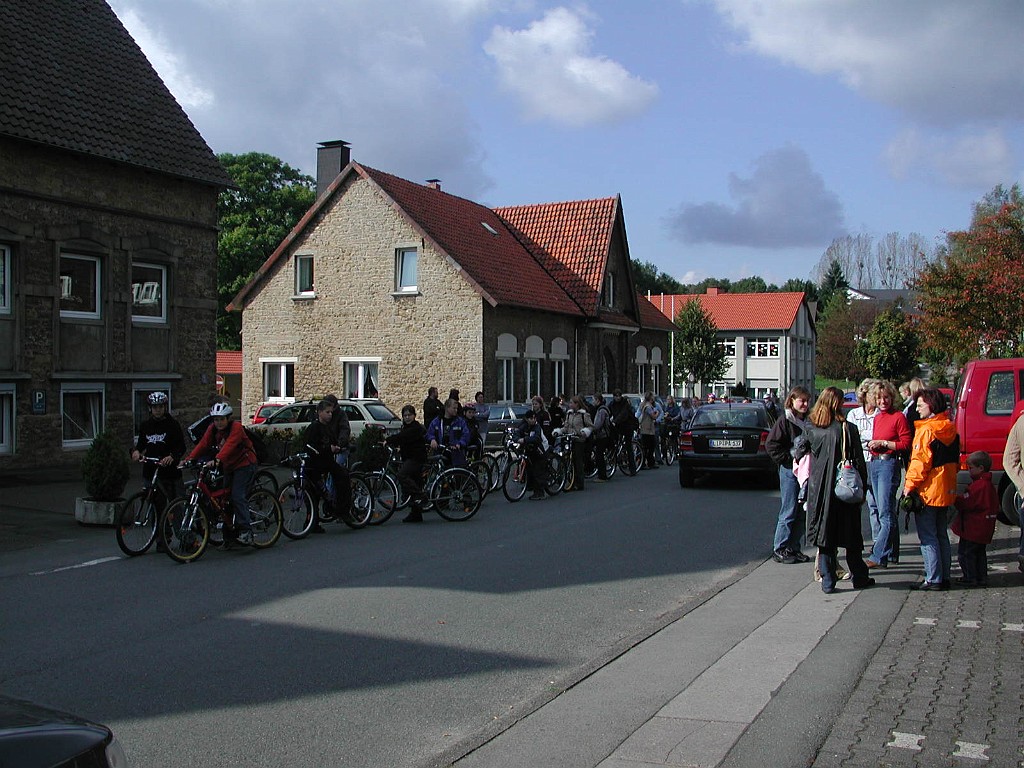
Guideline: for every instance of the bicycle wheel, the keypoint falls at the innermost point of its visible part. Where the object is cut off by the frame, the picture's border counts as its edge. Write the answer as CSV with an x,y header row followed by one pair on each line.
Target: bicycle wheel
x,y
136,530
385,496
495,473
622,458
266,480
502,459
184,530
556,474
482,472
297,511
265,517
361,511
514,484
609,462
457,494
669,450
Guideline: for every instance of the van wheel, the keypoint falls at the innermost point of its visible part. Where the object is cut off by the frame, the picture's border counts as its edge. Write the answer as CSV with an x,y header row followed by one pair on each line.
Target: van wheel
x,y
1009,513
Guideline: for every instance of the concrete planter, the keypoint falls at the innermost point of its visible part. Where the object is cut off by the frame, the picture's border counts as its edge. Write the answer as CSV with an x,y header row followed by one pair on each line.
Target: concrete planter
x,y
92,512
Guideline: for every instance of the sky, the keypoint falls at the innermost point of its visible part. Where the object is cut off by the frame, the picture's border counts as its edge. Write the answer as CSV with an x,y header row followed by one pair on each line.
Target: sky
x,y
743,135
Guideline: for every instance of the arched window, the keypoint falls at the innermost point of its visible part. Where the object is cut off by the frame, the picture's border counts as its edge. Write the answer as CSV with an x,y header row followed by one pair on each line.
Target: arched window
x,y
507,352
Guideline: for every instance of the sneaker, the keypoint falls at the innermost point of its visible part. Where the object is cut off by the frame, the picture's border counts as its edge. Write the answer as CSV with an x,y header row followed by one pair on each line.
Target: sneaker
x,y
873,564
538,496
842,575
784,556
245,538
800,556
864,584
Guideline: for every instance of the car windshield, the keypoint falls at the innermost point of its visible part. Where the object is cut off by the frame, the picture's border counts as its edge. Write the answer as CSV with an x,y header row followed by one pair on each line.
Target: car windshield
x,y
750,418
380,412
284,415
518,411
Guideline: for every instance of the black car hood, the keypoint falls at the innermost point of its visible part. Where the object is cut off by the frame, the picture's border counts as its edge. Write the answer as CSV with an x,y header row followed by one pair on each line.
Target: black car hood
x,y
32,735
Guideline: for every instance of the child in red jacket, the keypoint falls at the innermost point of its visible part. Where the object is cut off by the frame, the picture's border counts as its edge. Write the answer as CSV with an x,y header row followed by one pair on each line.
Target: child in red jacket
x,y
975,521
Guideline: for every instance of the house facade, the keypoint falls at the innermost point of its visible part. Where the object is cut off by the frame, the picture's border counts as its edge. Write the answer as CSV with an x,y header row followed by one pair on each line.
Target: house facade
x,y
769,340
108,239
387,287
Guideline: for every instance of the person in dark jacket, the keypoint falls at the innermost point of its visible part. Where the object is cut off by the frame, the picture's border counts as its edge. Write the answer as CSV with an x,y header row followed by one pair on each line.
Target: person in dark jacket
x,y
160,437
624,423
450,430
432,407
531,437
832,523
411,440
789,529
602,437
321,438
342,429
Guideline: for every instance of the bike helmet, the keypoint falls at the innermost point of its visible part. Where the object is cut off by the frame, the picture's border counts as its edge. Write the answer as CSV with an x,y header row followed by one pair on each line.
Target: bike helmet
x,y
220,409
158,398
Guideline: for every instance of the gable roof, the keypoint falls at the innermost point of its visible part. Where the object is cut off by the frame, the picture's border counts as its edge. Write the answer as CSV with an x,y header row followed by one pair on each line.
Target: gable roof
x,y
738,311
74,78
651,318
229,361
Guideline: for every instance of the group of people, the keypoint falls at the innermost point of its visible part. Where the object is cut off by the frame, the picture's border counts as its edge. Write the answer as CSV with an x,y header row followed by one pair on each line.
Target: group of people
x,y
821,452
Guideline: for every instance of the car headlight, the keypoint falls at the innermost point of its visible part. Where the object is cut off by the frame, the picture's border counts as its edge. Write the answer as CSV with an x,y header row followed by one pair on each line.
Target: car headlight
x,y
115,754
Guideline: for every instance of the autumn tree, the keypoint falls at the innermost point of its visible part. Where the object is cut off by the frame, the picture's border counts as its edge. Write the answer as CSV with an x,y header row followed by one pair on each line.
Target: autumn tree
x,y
254,218
845,327
696,349
891,348
970,297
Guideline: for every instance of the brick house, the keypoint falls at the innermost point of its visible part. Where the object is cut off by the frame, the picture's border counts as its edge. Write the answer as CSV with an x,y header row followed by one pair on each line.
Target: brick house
x,y
387,287
108,235
769,338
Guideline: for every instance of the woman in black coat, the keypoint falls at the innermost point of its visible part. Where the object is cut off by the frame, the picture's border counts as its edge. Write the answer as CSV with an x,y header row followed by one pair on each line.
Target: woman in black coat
x,y
832,523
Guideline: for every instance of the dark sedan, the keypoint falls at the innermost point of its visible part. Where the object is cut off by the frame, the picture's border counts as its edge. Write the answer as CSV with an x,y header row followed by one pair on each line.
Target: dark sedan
x,y
32,735
502,416
726,437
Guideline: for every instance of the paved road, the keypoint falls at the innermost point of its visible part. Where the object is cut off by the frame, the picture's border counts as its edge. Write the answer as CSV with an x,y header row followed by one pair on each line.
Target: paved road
x,y
399,646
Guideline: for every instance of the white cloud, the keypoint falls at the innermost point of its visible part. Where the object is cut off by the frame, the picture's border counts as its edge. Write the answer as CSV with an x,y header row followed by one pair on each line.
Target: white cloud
x,y
968,160
549,68
783,204
944,61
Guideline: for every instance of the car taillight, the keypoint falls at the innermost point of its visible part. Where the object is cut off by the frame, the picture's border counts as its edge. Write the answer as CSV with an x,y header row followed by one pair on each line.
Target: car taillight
x,y
761,443
685,441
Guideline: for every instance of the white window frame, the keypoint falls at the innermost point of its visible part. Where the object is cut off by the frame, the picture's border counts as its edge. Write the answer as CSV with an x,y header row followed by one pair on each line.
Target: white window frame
x,y
532,376
5,280
66,287
763,346
8,399
281,364
304,287
98,409
360,364
150,291
643,371
558,376
729,345
400,256
506,379
655,378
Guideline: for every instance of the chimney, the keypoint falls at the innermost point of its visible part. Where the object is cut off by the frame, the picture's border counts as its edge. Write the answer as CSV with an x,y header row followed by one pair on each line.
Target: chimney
x,y
331,157
434,184
714,291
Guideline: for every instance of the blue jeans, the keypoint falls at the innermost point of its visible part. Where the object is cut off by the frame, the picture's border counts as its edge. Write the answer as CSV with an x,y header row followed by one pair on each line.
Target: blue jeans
x,y
790,528
931,530
884,474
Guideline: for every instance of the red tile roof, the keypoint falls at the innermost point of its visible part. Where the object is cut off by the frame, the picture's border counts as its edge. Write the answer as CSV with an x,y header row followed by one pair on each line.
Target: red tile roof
x,y
738,311
229,361
650,317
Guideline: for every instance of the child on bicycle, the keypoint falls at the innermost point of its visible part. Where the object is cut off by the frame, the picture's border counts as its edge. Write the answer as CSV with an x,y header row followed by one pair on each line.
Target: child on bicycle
x,y
450,430
532,439
160,437
235,456
322,439
411,440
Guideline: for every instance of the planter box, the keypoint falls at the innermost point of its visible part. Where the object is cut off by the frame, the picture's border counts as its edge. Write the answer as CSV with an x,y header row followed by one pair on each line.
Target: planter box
x,y
91,512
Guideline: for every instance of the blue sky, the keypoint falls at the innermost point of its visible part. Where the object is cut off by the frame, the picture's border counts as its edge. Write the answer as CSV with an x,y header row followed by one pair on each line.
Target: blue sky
x,y
743,135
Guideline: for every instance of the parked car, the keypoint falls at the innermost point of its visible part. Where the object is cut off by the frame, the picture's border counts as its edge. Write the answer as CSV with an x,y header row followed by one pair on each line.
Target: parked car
x,y
726,437
33,736
502,415
265,410
361,413
983,407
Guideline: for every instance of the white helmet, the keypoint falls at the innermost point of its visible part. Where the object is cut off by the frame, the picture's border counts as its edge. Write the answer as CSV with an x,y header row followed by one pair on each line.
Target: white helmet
x,y
158,398
221,409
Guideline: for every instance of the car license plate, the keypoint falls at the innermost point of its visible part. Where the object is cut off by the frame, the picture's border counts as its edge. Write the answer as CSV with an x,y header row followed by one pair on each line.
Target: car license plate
x,y
726,443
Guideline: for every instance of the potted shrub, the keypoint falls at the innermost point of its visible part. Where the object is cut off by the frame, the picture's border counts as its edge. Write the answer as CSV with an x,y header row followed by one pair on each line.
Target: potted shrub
x,y
105,469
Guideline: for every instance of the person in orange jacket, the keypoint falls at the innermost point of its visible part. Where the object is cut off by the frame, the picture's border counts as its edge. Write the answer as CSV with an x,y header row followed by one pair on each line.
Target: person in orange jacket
x,y
931,475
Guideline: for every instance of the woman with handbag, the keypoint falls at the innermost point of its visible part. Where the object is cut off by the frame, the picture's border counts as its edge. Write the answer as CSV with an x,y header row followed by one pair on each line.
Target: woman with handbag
x,y
835,491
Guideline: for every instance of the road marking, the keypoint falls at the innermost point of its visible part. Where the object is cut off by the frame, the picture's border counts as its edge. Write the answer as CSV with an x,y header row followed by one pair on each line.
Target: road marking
x,y
970,751
968,624
906,741
1013,627
925,622
73,567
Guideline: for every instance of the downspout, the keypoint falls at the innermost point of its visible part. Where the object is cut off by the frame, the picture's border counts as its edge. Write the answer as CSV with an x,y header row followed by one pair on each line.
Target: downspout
x,y
575,359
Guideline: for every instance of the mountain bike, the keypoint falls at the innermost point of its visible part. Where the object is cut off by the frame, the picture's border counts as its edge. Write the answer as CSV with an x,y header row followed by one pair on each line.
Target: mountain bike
x,y
303,498
136,528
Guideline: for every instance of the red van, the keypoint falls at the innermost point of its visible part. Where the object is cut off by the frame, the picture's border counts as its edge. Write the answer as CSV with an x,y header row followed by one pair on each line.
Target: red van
x,y
986,397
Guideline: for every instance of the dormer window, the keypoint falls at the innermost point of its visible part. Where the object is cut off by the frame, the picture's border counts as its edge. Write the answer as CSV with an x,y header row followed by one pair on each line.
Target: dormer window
x,y
608,295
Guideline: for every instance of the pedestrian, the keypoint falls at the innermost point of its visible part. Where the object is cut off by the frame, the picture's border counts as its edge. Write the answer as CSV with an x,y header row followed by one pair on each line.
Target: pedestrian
x,y
649,430
602,438
931,475
780,445
890,436
432,407
1013,464
975,521
831,522
483,416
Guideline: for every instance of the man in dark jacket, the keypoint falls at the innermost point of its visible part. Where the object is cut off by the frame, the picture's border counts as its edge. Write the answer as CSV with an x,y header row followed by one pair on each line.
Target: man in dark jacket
x,y
160,437
411,440
432,407
322,441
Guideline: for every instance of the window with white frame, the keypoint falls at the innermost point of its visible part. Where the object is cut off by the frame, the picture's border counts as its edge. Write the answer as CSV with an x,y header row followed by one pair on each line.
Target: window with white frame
x,y
656,379
361,379
149,293
304,275
763,347
140,400
405,270
81,410
643,373
532,377
506,379
558,376
279,379
608,294
5,279
6,418
79,286
729,345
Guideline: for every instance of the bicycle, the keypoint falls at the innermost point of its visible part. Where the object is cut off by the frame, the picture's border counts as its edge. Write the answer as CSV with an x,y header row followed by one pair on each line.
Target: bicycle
x,y
669,443
629,454
301,500
185,528
137,523
453,492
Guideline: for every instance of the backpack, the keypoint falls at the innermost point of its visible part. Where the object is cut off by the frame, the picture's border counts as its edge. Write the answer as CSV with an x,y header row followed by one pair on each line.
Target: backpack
x,y
259,445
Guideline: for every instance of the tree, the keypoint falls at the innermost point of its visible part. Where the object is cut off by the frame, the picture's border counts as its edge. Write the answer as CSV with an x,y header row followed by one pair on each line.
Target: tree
x,y
890,263
833,283
270,199
970,297
696,349
845,326
647,277
796,285
892,347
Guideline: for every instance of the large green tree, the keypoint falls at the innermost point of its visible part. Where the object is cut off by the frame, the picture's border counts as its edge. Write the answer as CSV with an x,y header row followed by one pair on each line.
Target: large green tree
x,y
254,218
891,348
696,349
833,283
845,326
647,277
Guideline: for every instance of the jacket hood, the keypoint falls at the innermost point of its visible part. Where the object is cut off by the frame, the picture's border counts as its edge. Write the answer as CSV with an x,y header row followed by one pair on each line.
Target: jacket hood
x,y
941,428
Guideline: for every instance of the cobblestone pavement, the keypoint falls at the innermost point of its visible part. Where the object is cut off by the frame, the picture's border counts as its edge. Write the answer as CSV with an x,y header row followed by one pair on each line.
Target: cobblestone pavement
x,y
946,687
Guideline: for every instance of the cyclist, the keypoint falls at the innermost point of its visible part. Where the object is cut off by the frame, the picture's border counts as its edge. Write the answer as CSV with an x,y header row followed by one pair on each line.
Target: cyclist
x,y
532,439
578,424
543,417
160,437
342,429
624,424
235,456
673,418
411,440
198,428
322,439
451,430
475,450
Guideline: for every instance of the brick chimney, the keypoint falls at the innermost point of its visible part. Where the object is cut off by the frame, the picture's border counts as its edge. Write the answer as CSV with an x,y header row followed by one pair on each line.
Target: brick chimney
x,y
434,184
331,157
714,291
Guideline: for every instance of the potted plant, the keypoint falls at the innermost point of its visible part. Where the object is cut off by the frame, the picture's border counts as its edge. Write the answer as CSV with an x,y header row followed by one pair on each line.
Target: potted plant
x,y
105,469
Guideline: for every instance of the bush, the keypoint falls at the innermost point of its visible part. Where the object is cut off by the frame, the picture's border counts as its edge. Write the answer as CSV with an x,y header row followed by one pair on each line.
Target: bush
x,y
366,448
105,468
